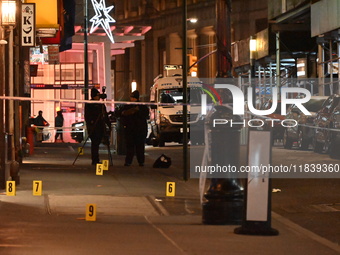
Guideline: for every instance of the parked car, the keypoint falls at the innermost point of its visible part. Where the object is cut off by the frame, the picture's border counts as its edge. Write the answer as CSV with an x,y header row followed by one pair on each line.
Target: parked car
x,y
334,151
327,118
78,131
302,134
278,129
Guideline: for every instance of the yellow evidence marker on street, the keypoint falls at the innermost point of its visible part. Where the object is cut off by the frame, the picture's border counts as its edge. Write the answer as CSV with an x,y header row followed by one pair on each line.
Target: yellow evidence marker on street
x,y
105,164
81,150
99,169
37,188
91,212
170,189
10,188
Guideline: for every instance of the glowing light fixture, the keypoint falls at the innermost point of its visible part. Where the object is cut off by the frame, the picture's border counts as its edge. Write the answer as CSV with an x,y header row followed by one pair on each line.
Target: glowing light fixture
x,y
102,18
193,20
133,86
8,13
252,44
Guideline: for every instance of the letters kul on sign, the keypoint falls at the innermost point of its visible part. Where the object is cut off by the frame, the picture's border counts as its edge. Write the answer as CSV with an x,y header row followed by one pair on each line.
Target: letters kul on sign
x,y
28,24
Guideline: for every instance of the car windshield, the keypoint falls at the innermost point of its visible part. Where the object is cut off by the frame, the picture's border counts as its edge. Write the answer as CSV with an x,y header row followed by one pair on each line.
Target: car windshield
x,y
176,95
314,105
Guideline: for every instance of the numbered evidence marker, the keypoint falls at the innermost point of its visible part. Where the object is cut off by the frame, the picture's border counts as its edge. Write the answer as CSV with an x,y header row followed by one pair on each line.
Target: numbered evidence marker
x,y
81,150
99,169
170,189
10,188
91,212
37,188
105,164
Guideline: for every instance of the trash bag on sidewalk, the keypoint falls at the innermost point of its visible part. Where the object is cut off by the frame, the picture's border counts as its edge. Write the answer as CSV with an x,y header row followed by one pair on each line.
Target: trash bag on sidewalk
x,y
162,161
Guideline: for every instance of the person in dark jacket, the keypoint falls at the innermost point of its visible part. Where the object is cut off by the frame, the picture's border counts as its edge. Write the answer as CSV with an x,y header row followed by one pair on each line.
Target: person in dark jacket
x,y
134,120
59,122
97,122
40,122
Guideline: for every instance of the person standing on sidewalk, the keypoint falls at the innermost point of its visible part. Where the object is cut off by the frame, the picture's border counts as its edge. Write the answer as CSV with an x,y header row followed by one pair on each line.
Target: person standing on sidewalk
x,y
59,122
40,122
97,122
134,120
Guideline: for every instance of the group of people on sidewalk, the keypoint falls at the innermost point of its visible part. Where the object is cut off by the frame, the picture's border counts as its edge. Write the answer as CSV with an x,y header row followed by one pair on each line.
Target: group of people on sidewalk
x,y
134,121
133,118
40,122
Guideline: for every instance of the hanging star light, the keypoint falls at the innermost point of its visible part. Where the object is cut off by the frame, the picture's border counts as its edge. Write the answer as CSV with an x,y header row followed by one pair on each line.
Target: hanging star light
x,y
102,18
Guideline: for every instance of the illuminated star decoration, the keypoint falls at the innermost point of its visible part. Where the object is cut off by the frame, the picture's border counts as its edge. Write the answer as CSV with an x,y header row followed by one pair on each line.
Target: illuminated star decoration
x,y
102,18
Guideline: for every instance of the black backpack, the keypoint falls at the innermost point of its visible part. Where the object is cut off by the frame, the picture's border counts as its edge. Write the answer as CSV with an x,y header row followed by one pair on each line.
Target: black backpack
x,y
162,161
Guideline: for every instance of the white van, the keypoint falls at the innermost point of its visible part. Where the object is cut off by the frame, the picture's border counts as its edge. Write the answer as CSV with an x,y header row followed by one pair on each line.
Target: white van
x,y
167,118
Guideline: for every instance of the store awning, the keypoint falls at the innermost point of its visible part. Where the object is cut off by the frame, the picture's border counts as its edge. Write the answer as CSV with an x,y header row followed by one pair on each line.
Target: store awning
x,y
124,36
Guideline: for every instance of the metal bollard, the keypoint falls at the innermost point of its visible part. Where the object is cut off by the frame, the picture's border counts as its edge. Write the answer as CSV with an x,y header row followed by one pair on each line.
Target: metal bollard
x,y
224,203
14,171
120,138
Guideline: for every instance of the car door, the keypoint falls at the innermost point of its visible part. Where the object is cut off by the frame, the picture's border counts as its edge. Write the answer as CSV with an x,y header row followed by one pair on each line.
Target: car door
x,y
293,112
321,120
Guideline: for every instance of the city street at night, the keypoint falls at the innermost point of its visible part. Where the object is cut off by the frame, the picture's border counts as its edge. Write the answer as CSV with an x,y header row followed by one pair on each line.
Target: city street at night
x,y
135,217
151,127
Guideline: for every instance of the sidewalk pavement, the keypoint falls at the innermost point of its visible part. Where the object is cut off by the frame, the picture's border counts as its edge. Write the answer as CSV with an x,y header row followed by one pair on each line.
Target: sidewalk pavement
x,y
133,214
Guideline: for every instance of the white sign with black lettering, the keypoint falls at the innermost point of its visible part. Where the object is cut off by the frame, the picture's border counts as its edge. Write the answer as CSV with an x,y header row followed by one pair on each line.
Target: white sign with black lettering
x,y
28,24
258,182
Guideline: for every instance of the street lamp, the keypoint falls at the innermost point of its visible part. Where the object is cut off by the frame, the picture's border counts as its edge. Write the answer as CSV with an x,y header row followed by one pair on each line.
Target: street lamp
x,y
8,18
86,64
224,198
252,46
185,86
8,13
185,92
2,128
192,20
133,86
252,50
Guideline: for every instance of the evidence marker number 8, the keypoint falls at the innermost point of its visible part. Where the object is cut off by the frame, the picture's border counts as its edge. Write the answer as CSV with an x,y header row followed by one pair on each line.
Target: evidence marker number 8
x,y
10,188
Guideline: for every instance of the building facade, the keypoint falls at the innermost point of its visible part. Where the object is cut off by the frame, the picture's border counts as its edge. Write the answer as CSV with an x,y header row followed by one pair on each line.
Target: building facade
x,y
148,34
295,39
59,77
163,43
